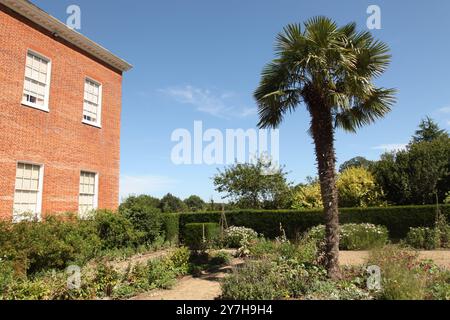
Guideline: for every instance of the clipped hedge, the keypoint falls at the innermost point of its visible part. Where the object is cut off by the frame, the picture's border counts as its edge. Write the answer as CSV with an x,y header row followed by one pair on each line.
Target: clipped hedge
x,y
171,227
422,238
398,220
199,236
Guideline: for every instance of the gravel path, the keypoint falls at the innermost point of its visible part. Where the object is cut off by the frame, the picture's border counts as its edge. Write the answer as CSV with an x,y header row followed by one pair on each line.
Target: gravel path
x,y
205,287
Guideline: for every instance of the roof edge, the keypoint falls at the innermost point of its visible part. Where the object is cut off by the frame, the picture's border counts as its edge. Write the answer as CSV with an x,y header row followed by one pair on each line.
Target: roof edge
x,y
50,23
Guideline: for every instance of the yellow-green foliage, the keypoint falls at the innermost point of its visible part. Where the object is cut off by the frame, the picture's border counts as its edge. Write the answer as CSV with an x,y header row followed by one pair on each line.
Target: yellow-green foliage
x,y
307,196
357,188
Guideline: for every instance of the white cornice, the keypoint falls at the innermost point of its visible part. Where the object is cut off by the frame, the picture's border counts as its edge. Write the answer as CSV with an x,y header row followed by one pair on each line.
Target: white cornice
x,y
43,19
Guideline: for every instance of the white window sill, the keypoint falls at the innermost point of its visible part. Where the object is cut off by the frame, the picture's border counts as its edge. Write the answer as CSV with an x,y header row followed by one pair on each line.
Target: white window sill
x,y
35,106
90,123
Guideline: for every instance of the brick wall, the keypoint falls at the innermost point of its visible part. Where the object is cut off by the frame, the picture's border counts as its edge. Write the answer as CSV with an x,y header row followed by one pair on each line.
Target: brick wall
x,y
58,140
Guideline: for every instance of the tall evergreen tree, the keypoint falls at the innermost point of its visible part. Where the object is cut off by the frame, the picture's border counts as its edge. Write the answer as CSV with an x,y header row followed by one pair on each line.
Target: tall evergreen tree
x,y
428,131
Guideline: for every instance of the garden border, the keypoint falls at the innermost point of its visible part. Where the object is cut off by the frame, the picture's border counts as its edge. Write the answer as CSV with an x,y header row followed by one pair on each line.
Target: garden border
x,y
398,220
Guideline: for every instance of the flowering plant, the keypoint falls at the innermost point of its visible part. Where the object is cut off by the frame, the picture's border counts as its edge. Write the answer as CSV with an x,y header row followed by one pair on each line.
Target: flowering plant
x,y
236,237
354,236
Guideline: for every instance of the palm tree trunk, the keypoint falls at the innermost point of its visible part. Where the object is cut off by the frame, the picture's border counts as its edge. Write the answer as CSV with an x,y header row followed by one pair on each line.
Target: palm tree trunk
x,y
322,130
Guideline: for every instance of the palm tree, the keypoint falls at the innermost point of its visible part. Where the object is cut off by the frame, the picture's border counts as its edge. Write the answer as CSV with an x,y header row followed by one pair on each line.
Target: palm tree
x,y
330,70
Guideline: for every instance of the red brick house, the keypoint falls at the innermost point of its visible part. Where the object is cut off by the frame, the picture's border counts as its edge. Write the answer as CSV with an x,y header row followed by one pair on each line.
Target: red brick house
x,y
60,101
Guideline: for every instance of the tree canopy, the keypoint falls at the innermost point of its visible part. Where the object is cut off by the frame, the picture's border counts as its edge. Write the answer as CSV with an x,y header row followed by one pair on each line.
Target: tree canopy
x,y
141,201
428,131
170,203
355,162
416,175
247,186
195,203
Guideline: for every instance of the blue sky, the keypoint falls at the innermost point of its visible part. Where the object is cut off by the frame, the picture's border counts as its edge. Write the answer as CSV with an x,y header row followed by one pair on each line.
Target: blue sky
x,y
201,60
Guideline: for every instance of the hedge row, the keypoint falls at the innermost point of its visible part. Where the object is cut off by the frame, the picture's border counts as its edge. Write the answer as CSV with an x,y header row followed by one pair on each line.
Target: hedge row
x,y
198,236
171,227
397,220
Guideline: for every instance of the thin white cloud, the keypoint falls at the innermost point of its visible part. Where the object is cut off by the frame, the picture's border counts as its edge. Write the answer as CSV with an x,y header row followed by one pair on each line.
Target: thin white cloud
x,y
444,114
391,147
444,110
204,100
249,112
145,184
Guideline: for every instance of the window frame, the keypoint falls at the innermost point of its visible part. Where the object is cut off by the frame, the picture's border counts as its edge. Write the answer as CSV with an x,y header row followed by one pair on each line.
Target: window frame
x,y
97,123
95,206
45,107
38,214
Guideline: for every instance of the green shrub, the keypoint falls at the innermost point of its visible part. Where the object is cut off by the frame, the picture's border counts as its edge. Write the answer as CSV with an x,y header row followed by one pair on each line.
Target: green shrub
x,y
137,276
303,252
220,258
24,289
180,259
441,291
115,230
52,244
200,236
256,280
290,271
439,287
7,274
171,227
106,279
447,198
445,237
269,279
7,245
37,247
234,236
263,248
336,290
397,220
161,273
60,240
49,286
354,236
422,238
147,220
363,236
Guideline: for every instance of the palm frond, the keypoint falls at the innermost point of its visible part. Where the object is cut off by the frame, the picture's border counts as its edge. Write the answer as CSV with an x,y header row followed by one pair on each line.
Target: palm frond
x,y
275,94
328,65
288,38
365,112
